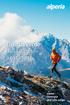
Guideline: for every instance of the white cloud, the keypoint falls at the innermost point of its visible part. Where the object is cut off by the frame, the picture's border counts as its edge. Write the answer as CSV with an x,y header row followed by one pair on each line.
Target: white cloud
x,y
13,28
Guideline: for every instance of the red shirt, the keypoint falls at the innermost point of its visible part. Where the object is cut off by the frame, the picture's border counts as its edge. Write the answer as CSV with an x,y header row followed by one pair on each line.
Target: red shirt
x,y
55,57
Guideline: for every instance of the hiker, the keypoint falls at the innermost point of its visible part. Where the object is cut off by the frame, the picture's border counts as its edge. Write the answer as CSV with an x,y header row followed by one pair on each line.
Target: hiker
x,y
55,57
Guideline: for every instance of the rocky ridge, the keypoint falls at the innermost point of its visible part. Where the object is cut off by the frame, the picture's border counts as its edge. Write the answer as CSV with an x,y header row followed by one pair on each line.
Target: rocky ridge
x,y
18,88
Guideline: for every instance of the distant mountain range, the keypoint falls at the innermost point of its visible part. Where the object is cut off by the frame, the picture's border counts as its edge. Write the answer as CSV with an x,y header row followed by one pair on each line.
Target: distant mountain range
x,y
35,57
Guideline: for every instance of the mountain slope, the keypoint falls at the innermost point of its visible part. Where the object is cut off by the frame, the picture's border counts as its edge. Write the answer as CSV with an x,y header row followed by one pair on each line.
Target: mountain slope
x,y
35,57
31,90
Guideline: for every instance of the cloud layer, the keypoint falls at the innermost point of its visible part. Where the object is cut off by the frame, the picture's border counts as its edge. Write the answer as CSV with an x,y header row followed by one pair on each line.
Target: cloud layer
x,y
14,29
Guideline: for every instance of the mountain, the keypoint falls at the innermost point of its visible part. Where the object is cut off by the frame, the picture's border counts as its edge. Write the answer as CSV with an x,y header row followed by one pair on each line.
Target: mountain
x,y
31,89
35,57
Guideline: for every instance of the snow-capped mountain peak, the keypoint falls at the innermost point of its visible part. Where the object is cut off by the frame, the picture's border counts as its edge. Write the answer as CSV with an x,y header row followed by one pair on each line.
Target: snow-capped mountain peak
x,y
35,57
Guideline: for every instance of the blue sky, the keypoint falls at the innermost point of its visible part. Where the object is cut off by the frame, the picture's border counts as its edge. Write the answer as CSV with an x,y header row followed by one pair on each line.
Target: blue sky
x,y
41,19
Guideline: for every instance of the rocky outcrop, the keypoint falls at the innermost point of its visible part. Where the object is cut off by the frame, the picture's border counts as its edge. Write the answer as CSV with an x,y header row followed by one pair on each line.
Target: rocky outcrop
x,y
16,88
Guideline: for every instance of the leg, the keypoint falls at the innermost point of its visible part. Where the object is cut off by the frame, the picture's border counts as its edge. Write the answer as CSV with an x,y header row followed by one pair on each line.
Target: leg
x,y
57,71
52,70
